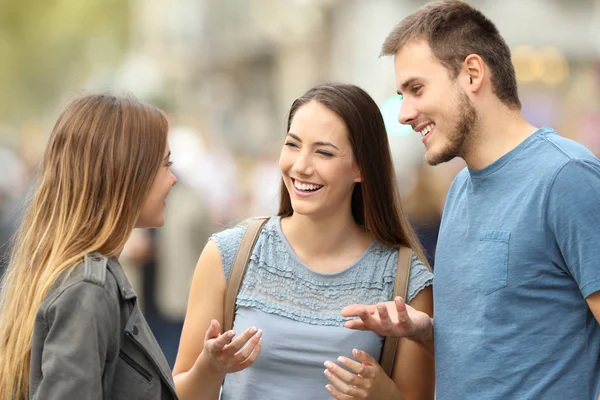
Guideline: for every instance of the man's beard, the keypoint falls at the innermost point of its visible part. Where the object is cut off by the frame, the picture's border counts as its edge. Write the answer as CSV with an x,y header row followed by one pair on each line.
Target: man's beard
x,y
461,136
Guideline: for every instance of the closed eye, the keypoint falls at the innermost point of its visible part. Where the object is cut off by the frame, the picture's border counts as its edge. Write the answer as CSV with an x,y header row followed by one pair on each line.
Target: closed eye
x,y
291,144
325,153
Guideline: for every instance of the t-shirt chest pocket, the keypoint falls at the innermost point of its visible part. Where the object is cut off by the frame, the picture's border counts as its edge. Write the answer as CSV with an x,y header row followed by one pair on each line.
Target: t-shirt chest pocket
x,y
490,269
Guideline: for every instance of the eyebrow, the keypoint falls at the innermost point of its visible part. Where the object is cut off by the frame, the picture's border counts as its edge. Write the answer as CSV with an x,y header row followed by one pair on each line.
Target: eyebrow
x,y
405,84
295,137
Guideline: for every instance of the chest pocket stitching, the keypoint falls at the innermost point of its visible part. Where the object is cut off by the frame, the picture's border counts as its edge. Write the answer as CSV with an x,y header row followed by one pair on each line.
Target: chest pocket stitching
x,y
494,248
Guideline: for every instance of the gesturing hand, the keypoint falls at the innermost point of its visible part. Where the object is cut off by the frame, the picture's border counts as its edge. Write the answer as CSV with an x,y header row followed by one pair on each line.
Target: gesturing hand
x,y
229,356
366,381
392,318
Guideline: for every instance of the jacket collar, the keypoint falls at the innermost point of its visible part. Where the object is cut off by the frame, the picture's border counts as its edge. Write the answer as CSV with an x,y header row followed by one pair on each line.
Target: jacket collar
x,y
114,266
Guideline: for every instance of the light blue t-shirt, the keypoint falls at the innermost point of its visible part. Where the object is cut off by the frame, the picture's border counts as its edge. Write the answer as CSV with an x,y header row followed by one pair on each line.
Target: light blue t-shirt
x,y
518,253
299,311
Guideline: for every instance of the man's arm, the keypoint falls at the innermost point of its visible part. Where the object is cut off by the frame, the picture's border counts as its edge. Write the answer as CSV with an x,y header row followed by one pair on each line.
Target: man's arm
x,y
573,212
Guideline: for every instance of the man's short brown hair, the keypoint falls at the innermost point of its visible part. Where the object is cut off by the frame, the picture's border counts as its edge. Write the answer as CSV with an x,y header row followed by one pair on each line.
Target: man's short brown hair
x,y
454,30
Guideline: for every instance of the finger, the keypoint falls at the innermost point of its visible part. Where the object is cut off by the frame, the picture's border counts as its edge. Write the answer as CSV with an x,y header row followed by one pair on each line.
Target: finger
x,y
354,309
364,357
245,352
368,365
355,366
336,394
403,317
340,385
366,311
217,341
343,374
213,330
384,317
253,356
371,321
240,341
356,324
350,311
400,304
368,319
220,342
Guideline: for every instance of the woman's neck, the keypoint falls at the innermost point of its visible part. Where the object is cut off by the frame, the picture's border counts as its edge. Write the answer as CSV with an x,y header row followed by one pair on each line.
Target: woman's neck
x,y
318,236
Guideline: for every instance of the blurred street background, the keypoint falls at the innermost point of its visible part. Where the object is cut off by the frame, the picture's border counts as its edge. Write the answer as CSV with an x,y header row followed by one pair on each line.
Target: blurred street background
x,y
226,73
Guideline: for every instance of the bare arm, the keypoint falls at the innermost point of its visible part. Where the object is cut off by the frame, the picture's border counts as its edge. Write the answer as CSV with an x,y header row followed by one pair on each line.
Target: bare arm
x,y
414,368
201,365
593,302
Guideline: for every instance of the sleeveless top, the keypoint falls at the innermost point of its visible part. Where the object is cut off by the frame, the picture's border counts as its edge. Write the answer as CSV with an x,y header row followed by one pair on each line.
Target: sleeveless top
x,y
299,311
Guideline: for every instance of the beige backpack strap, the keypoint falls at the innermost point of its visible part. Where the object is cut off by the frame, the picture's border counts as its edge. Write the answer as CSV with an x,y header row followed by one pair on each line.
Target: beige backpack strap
x,y
238,269
390,344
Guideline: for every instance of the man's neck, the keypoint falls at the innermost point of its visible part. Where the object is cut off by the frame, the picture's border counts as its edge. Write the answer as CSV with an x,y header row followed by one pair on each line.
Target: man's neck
x,y
498,133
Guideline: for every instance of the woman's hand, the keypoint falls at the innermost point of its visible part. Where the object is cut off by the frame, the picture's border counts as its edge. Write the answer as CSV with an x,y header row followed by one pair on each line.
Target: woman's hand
x,y
392,318
366,381
227,356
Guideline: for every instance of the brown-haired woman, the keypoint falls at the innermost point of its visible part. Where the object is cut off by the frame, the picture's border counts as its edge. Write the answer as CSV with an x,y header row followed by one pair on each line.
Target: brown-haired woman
x,y
70,326
334,240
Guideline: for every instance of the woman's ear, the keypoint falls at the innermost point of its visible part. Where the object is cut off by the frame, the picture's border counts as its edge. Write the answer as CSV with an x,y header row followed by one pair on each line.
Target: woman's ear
x,y
358,177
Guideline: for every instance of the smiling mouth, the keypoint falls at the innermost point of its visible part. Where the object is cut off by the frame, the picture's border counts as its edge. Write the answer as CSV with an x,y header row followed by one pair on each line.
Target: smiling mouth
x,y
425,131
306,187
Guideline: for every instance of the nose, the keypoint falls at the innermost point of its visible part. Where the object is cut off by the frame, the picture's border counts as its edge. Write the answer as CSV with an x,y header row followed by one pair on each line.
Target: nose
x,y
303,164
173,179
408,113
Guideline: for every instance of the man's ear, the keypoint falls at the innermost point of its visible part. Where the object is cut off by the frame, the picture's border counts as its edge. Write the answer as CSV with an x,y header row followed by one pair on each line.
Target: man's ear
x,y
474,71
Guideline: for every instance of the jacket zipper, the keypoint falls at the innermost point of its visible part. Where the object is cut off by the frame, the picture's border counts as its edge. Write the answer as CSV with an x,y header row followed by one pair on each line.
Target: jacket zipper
x,y
133,364
134,340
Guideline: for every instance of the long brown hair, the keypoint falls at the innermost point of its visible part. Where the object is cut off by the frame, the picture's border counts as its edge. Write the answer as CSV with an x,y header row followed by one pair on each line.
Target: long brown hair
x,y
99,164
375,201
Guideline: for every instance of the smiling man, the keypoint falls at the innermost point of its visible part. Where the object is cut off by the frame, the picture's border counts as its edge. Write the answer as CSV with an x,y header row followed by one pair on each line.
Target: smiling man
x,y
517,285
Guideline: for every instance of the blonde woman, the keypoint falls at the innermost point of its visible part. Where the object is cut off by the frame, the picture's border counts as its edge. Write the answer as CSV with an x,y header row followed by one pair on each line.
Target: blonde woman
x,y
70,326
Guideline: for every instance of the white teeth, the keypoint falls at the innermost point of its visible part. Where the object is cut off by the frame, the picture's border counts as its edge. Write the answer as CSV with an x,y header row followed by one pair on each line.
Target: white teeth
x,y
306,186
426,130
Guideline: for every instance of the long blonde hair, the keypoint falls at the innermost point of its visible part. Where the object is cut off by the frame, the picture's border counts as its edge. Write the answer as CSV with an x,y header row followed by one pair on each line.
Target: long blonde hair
x,y
100,162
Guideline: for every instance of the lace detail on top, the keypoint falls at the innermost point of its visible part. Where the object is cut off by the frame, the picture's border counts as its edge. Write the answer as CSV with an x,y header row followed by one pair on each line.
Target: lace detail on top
x,y
277,282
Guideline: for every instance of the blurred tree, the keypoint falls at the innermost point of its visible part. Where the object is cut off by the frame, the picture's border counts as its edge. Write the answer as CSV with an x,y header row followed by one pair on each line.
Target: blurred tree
x,y
49,48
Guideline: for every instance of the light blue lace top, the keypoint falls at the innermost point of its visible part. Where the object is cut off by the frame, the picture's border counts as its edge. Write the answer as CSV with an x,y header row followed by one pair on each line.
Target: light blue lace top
x,y
298,310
